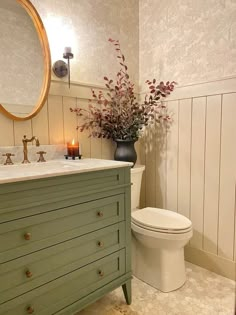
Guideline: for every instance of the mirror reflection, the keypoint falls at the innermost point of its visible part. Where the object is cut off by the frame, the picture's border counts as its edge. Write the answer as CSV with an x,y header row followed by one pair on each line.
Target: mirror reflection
x,y
21,60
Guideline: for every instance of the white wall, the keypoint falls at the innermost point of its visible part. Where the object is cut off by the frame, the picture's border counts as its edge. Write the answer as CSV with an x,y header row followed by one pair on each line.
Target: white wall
x,y
86,26
186,40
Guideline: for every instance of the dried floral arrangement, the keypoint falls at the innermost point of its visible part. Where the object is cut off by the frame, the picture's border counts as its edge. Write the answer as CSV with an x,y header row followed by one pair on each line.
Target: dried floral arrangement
x,y
116,113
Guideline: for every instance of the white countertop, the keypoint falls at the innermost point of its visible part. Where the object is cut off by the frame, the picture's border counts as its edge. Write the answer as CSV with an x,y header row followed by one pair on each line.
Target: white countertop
x,y
22,172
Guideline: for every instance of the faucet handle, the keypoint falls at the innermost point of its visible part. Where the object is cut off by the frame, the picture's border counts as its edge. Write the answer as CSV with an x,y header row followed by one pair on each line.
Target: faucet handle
x,y
41,157
8,159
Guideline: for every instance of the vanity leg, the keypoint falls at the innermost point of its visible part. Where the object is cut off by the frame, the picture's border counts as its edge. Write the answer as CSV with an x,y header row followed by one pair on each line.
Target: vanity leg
x,y
127,292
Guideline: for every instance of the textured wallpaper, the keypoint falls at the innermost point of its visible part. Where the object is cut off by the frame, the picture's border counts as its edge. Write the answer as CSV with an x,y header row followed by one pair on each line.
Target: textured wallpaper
x,y
21,57
86,25
187,40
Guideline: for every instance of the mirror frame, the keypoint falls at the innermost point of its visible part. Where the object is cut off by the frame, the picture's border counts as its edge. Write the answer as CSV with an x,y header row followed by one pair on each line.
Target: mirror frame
x,y
38,24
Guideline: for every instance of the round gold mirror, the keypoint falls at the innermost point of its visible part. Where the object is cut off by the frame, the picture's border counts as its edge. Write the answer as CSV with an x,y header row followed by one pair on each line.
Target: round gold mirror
x,y
24,60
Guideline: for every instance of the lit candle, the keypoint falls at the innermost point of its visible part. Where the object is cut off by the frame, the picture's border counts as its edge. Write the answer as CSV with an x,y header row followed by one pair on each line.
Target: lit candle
x,y
73,148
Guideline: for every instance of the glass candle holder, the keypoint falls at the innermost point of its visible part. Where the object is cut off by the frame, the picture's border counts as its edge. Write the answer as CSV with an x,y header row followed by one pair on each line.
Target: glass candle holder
x,y
73,148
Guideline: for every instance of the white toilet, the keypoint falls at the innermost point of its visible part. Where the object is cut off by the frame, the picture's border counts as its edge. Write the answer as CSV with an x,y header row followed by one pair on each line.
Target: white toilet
x,y
158,241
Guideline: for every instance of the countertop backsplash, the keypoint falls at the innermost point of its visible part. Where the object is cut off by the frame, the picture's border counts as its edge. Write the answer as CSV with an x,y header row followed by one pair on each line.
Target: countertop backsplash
x,y
52,152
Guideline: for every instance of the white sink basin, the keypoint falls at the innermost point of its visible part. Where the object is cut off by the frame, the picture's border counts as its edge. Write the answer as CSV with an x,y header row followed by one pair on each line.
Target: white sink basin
x,y
35,170
49,164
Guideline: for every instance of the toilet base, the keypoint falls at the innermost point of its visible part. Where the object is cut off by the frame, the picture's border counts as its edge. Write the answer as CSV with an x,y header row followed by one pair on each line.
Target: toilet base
x,y
163,269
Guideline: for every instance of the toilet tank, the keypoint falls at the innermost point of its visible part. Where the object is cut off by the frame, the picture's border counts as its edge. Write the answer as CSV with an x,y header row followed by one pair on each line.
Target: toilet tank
x,y
136,179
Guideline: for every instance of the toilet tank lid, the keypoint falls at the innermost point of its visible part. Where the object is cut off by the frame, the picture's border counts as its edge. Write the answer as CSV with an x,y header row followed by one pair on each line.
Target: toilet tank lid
x,y
137,169
161,219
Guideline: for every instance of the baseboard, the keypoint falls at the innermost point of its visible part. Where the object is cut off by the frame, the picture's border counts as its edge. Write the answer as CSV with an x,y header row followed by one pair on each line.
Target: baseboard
x,y
219,265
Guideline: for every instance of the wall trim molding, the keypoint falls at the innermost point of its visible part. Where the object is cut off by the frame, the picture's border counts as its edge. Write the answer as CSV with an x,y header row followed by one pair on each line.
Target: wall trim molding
x,y
80,90
217,264
77,89
101,86
78,83
209,81
216,87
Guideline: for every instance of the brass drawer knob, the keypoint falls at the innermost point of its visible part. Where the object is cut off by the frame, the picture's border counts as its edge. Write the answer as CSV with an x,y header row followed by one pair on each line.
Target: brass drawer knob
x,y
28,274
27,236
100,214
100,244
101,273
30,310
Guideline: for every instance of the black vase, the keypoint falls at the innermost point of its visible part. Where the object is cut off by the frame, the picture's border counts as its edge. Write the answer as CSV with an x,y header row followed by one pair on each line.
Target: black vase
x,y
125,151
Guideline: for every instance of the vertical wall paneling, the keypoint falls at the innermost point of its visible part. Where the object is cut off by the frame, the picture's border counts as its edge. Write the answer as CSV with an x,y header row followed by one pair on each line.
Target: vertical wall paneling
x,y
212,165
108,148
227,177
83,137
150,176
235,227
22,128
96,147
140,146
55,118
172,159
160,144
141,160
198,169
40,125
70,119
7,131
184,154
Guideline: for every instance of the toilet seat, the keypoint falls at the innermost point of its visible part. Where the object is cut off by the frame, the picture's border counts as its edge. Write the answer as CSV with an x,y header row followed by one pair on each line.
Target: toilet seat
x,y
160,235
161,221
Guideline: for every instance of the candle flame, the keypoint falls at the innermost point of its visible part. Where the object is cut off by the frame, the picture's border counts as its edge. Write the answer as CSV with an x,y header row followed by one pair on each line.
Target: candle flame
x,y
73,142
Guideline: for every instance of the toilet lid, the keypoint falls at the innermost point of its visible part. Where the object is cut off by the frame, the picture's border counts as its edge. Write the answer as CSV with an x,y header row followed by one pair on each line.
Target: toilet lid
x,y
161,220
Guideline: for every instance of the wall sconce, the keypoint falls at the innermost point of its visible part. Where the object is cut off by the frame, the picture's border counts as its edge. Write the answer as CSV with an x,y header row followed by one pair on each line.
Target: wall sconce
x,y
60,68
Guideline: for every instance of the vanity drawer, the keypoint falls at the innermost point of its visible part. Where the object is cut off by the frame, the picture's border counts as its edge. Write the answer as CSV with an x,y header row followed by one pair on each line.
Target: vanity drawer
x,y
64,291
21,199
24,236
26,273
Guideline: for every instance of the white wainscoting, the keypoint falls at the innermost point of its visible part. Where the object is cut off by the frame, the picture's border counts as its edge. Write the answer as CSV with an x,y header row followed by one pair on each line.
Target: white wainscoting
x,y
55,124
191,169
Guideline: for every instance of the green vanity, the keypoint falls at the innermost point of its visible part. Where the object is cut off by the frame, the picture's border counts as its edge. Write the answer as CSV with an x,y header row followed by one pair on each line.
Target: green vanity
x,y
64,235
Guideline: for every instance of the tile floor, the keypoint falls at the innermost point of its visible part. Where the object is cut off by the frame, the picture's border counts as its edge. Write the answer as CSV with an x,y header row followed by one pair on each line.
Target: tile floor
x,y
204,293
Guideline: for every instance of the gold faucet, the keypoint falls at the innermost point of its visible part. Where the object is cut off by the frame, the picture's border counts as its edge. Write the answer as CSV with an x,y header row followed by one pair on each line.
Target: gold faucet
x,y
25,149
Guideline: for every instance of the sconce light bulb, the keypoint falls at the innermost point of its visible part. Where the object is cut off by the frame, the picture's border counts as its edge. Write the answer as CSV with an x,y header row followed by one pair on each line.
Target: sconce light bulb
x,y
67,50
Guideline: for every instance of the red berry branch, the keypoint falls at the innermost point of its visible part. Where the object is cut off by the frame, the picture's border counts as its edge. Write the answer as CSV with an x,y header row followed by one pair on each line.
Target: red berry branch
x,y
116,113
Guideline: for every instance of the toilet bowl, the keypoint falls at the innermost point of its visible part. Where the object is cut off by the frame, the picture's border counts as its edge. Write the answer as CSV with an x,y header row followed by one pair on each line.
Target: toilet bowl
x,y
158,241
